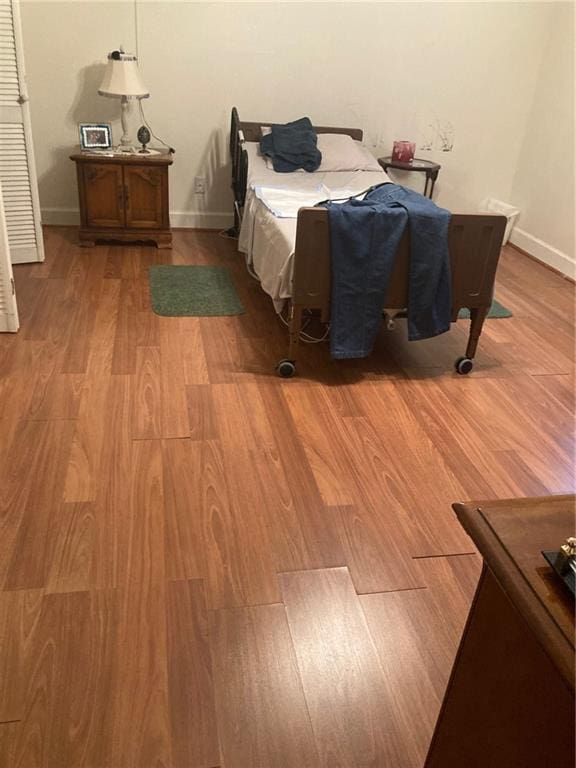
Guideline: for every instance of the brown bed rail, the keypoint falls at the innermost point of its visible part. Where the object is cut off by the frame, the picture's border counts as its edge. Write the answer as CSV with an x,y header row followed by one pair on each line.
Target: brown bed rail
x,y
474,242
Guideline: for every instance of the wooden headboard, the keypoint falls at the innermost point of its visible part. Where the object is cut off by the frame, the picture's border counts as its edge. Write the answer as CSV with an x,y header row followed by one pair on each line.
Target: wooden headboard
x,y
252,131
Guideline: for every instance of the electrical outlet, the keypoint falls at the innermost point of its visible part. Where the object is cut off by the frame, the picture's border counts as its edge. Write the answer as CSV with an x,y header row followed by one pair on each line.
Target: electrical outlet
x,y
199,185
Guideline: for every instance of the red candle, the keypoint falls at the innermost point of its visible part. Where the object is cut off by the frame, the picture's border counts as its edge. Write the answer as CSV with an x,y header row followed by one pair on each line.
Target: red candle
x,y
403,151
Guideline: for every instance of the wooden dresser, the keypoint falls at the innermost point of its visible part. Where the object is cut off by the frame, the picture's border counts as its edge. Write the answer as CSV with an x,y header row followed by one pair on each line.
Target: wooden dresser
x,y
124,197
510,699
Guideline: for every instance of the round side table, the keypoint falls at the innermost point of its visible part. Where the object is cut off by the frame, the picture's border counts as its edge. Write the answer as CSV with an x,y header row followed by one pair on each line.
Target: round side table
x,y
423,166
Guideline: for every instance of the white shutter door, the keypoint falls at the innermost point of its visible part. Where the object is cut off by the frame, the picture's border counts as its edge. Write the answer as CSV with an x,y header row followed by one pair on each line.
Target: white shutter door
x,y
17,168
8,311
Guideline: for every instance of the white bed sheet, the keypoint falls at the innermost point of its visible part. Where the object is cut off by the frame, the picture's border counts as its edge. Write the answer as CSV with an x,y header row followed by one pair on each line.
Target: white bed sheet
x,y
268,241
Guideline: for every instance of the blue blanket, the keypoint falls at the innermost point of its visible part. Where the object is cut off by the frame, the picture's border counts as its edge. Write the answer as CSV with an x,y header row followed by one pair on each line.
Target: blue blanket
x,y
364,240
292,146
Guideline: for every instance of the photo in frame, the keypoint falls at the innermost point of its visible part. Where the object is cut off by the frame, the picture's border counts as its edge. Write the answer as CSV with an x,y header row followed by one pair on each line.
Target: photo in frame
x,y
95,135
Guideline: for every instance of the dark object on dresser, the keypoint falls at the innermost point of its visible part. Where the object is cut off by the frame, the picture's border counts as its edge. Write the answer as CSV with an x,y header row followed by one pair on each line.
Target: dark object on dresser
x,y
510,699
124,197
143,137
563,563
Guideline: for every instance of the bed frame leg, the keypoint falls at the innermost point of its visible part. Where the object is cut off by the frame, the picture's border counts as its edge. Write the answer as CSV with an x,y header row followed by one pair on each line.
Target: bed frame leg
x,y
465,364
287,368
295,328
477,317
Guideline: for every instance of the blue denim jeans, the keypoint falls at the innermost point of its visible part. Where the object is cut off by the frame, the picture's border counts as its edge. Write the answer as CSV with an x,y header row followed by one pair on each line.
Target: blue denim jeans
x,y
364,239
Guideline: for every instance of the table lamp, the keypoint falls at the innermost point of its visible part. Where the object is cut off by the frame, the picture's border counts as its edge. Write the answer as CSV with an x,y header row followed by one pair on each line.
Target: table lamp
x,y
122,80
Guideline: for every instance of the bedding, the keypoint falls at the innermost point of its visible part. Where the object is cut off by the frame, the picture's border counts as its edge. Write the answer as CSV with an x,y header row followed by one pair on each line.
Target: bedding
x,y
285,203
267,240
340,153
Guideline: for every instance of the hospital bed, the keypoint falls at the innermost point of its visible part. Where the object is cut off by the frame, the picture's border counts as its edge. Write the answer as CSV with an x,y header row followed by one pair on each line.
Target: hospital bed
x,y
291,256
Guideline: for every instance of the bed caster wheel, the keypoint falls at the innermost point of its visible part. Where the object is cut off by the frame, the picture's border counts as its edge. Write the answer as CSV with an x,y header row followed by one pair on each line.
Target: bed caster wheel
x,y
464,365
286,369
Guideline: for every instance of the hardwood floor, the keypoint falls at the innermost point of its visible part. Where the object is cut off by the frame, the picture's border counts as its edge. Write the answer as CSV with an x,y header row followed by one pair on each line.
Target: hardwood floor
x,y
203,565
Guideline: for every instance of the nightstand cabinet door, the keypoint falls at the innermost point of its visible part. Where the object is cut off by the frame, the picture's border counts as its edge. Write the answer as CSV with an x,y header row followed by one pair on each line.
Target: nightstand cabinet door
x,y
144,189
103,195
124,197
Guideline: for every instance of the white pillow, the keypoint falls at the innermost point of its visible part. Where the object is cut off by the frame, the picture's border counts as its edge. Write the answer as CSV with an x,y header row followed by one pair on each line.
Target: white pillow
x,y
340,153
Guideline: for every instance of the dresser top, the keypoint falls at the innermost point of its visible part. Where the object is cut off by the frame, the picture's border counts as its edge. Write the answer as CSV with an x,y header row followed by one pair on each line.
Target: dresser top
x,y
511,535
123,158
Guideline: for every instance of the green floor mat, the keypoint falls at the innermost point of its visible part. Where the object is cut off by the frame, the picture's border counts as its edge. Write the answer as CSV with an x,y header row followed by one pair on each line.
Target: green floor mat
x,y
496,310
195,291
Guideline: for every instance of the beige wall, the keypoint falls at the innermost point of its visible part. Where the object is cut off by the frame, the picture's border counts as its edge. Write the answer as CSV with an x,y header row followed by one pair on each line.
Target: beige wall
x,y
63,51
393,69
543,186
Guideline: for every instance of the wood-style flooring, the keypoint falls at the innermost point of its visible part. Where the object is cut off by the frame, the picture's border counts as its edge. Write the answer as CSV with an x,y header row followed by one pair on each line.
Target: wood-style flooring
x,y
204,565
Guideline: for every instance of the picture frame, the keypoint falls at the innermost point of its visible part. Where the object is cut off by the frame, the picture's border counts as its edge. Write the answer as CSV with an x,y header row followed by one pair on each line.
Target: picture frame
x,y
94,136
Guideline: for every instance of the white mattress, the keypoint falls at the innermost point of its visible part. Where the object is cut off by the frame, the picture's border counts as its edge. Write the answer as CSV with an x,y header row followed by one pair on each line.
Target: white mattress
x,y
268,241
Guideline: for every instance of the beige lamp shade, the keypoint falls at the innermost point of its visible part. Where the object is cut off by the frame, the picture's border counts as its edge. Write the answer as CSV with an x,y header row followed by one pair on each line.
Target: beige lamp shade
x,y
122,77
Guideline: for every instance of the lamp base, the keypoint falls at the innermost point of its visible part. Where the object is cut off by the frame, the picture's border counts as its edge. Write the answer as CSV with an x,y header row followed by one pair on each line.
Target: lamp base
x,y
125,141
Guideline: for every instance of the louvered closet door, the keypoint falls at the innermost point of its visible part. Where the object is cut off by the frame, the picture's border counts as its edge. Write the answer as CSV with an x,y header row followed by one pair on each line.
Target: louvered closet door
x,y
17,169
8,311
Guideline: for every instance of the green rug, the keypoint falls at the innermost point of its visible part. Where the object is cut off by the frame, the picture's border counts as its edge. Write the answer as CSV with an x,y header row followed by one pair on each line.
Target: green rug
x,y
496,310
194,291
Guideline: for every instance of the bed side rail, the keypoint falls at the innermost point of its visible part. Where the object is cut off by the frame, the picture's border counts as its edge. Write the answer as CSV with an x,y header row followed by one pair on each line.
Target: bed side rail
x,y
234,127
241,178
239,160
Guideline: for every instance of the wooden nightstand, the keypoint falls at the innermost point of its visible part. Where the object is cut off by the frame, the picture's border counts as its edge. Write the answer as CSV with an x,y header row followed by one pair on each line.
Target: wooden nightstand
x,y
124,197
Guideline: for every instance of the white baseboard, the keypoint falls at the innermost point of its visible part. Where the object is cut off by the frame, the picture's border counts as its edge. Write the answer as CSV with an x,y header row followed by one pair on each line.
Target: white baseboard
x,y
200,220
70,217
544,252
61,217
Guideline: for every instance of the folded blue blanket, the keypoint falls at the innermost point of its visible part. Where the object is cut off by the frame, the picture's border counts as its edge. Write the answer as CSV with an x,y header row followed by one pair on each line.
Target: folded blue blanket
x,y
292,146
